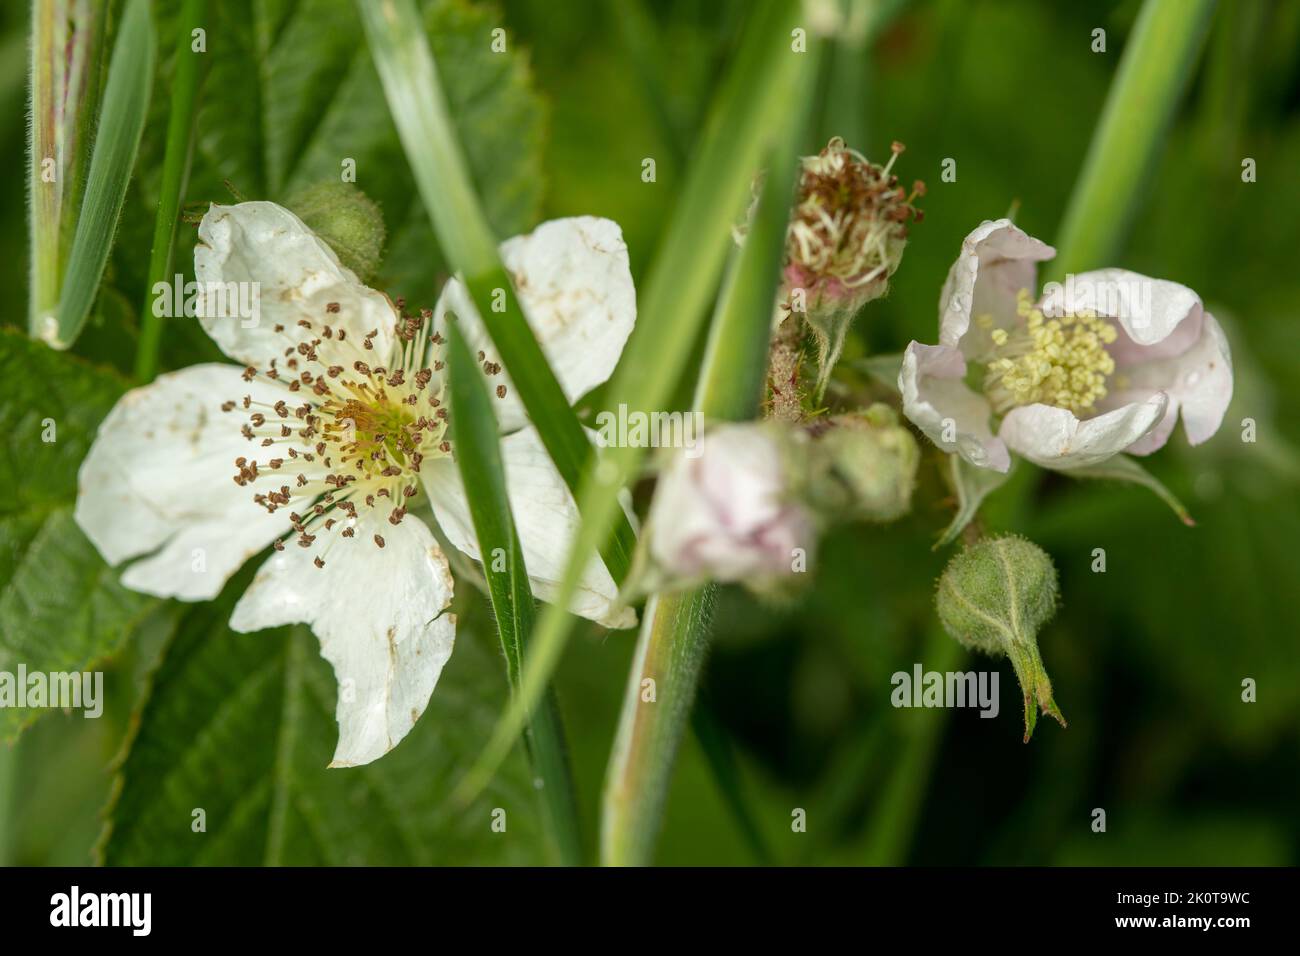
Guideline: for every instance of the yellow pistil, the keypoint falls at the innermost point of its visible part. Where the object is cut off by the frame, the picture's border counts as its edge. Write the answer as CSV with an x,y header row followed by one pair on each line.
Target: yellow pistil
x,y
1061,362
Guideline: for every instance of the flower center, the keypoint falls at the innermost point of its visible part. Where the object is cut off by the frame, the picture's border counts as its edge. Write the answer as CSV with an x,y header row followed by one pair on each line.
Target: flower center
x,y
1061,362
361,434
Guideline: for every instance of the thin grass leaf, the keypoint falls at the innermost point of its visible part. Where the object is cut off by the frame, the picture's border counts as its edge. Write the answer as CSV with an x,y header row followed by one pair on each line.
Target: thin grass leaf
x,y
424,125
760,86
478,456
175,176
767,80
1153,73
121,121
672,644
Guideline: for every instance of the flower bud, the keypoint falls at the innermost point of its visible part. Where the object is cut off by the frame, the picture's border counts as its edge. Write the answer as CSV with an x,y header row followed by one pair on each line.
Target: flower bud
x,y
347,219
993,597
728,513
864,465
846,238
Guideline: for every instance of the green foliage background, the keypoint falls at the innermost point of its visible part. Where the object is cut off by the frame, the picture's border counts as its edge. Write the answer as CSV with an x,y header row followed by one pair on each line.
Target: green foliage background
x,y
1147,659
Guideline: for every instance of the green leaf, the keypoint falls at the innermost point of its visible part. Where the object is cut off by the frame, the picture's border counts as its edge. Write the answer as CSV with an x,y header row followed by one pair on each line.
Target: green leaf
x,y
478,456
241,727
1124,468
971,485
121,121
420,109
61,606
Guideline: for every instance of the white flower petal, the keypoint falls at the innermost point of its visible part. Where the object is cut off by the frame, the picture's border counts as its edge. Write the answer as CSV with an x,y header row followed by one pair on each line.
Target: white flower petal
x,y
1158,318
997,260
159,478
1054,438
937,400
295,275
1198,382
575,283
727,514
546,519
379,616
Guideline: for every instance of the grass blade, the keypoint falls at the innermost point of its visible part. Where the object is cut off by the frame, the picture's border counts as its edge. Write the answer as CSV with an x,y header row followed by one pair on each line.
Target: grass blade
x,y
478,456
176,171
673,642
121,121
765,81
1155,69
419,108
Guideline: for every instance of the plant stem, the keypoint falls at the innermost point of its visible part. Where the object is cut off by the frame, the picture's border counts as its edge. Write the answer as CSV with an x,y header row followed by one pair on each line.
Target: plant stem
x,y
186,79
1153,72
660,693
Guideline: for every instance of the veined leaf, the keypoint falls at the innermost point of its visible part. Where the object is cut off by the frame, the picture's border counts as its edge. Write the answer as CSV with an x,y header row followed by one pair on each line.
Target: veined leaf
x,y
61,606
228,765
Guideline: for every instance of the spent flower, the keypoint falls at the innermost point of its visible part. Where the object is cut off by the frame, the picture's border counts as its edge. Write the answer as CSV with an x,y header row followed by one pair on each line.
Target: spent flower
x,y
846,237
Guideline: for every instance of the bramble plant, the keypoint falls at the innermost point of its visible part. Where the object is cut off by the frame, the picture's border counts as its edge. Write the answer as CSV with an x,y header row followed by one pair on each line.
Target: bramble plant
x,y
690,407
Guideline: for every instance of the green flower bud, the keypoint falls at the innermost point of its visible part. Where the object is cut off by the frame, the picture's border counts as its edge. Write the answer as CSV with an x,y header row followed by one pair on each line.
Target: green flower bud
x,y
864,465
347,219
993,597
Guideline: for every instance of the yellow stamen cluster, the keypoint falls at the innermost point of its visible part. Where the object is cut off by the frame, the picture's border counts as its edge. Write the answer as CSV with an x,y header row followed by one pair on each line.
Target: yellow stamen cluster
x,y
1061,362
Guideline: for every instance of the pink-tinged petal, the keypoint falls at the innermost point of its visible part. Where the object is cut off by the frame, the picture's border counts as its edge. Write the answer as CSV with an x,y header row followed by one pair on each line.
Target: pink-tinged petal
x,y
575,281
379,616
997,260
264,247
546,518
158,481
727,514
1198,382
937,400
1054,438
1157,318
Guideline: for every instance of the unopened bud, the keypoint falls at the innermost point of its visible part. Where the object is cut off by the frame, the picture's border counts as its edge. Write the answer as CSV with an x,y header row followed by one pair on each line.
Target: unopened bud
x,y
864,465
347,219
729,513
994,597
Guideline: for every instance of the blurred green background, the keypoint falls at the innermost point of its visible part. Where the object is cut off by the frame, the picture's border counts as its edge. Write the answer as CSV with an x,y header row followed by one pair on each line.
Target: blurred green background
x,y
1147,659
